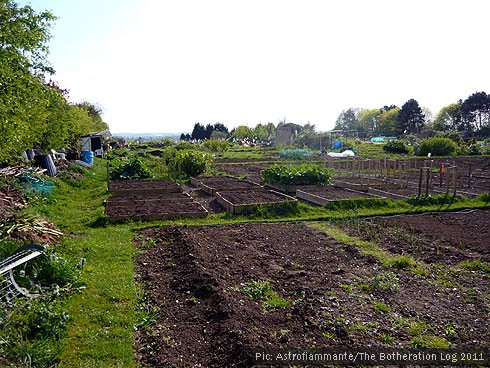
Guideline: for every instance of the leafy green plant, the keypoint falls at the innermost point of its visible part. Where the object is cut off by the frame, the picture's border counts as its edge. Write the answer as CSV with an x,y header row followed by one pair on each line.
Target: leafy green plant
x,y
189,163
437,147
380,307
133,168
297,175
262,290
395,146
216,145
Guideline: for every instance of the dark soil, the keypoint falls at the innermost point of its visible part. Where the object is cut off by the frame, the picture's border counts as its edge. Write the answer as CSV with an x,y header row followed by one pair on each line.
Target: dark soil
x,y
433,237
195,278
167,209
138,198
217,183
254,196
144,184
335,193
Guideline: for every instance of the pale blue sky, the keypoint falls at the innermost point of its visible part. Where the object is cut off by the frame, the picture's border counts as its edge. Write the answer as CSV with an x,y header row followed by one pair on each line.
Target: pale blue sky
x,y
161,66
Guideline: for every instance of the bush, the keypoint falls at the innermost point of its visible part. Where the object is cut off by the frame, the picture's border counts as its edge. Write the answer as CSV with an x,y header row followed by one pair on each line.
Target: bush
x,y
189,162
216,145
133,168
296,175
437,147
395,147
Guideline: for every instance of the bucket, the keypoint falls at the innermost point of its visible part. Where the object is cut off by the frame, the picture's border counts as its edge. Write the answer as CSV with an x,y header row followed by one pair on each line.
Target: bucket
x,y
87,156
46,162
337,145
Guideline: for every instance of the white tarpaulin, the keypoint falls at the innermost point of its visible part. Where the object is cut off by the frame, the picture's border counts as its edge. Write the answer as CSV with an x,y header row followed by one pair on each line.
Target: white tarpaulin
x,y
346,153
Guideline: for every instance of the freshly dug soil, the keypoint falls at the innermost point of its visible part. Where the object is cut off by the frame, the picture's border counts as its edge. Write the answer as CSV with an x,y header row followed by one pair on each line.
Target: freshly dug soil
x,y
159,210
217,183
144,184
446,238
254,196
335,194
138,198
196,279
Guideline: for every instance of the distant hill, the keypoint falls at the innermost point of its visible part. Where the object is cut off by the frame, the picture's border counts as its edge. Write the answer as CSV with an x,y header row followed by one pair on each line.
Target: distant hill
x,y
148,135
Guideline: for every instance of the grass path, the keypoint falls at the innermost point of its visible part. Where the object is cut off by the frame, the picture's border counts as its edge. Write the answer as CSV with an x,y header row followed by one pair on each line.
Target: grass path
x,y
100,333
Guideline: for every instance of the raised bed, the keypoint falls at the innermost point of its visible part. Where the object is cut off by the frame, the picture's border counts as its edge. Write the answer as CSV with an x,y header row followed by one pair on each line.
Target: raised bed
x,y
292,189
130,187
155,211
214,184
236,202
326,196
139,199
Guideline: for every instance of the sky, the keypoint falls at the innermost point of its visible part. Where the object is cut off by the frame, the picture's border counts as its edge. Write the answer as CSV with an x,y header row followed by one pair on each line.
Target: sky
x,y
159,66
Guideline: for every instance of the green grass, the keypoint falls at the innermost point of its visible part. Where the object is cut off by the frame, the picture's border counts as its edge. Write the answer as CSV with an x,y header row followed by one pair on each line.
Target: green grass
x,y
262,290
100,332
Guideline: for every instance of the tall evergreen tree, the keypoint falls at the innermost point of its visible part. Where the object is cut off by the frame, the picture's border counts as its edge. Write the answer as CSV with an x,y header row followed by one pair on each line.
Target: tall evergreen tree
x,y
410,118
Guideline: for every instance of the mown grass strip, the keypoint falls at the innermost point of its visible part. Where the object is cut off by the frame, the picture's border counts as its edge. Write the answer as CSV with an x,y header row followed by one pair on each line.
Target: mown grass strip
x,y
371,249
100,332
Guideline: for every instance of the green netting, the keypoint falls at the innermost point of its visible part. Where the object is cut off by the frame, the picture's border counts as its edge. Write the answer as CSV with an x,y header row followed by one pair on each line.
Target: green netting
x,y
38,185
295,154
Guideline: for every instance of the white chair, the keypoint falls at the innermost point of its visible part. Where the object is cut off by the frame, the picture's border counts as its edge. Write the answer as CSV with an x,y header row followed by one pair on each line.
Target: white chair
x,y
57,155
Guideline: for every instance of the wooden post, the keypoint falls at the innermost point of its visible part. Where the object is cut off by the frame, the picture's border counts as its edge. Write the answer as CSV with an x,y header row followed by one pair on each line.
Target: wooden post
x,y
108,178
455,180
441,171
447,180
420,183
469,176
427,181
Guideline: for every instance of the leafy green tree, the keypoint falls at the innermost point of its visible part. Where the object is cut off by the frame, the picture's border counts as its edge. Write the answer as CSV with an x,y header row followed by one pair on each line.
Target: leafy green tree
x,y
23,59
448,118
199,131
388,120
261,132
369,122
410,119
476,111
347,120
95,114
242,132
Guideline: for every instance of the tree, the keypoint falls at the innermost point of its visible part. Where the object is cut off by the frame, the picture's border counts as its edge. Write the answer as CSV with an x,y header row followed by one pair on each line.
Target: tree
x,y
242,132
199,131
388,120
95,113
475,111
448,118
410,119
369,122
23,96
347,120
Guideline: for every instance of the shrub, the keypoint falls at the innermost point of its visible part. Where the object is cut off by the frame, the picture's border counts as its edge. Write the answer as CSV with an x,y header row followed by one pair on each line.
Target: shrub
x,y
189,162
395,147
216,145
437,147
296,175
133,168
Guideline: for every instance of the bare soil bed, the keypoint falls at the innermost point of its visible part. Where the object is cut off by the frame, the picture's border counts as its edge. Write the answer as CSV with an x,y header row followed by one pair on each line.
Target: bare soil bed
x,y
213,184
151,210
246,201
133,199
143,185
249,171
336,194
337,297
446,238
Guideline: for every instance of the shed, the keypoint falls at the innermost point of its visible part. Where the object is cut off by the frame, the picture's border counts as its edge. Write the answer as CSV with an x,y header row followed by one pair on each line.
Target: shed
x,y
95,141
